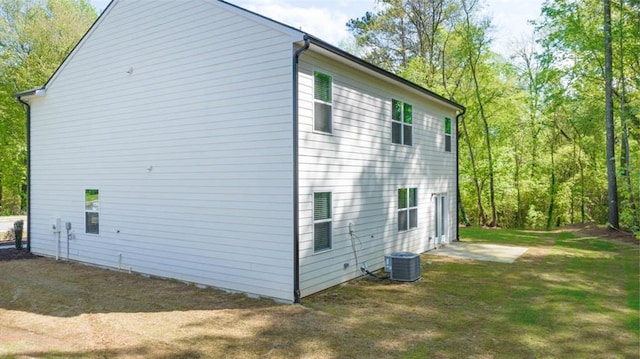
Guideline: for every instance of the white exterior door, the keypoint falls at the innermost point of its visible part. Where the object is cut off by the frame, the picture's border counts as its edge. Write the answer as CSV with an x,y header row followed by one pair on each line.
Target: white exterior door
x,y
441,218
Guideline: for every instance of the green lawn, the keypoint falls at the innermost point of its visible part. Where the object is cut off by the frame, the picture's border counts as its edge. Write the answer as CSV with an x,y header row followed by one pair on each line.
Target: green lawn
x,y
566,297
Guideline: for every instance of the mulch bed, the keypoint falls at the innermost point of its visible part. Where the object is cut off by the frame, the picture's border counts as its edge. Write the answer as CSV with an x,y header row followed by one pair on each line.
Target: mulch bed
x,y
8,254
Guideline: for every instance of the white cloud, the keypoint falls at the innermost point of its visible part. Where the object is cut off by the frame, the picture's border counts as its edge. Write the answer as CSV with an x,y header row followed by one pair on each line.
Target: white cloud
x,y
325,23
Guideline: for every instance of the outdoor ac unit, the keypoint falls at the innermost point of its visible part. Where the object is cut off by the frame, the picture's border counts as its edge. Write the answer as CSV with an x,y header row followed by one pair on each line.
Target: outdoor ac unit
x,y
403,266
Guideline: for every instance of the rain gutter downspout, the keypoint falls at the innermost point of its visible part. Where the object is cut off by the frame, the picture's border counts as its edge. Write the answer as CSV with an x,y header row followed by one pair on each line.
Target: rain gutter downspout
x,y
296,185
28,107
458,199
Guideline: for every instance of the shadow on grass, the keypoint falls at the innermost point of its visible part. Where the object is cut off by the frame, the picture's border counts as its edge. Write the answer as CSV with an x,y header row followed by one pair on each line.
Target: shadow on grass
x,y
565,297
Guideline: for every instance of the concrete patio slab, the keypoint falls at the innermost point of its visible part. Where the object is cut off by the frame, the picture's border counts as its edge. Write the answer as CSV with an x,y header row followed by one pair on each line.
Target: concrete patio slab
x,y
481,252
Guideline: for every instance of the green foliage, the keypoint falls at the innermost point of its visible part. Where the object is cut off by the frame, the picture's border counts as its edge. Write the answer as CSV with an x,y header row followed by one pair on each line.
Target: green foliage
x,y
541,110
35,37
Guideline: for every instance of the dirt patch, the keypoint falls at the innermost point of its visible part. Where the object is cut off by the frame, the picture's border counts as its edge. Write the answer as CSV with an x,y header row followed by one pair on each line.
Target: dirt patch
x,y
8,254
594,230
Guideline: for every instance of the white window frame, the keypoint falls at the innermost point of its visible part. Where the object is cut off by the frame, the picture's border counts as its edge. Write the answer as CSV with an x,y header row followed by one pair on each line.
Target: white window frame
x,y
448,135
330,104
402,123
95,211
325,220
408,208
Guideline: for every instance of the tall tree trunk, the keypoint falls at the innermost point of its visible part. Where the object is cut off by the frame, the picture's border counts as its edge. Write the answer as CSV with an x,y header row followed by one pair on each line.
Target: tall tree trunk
x,y
516,180
475,49
487,136
463,213
612,194
624,144
482,215
552,186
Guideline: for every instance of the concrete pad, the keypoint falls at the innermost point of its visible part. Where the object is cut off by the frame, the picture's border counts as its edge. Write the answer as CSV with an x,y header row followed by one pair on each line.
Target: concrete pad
x,y
481,252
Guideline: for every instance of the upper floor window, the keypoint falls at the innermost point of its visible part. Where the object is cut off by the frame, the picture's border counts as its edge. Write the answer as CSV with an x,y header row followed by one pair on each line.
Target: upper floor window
x,y
407,208
447,134
402,123
322,102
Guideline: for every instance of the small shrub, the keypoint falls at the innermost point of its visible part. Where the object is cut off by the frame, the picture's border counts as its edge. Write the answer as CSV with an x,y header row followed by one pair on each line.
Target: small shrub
x,y
9,236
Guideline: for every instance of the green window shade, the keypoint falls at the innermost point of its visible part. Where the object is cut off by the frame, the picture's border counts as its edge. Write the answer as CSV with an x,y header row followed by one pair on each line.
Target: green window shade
x,y
408,113
322,87
321,205
447,134
413,197
397,110
91,200
447,125
402,198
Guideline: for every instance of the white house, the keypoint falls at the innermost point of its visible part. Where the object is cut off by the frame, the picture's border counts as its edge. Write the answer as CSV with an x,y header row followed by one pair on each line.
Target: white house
x,y
200,141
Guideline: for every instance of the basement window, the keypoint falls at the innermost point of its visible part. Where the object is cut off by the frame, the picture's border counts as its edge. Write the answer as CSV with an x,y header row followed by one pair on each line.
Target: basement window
x,y
92,211
407,209
322,102
401,123
322,221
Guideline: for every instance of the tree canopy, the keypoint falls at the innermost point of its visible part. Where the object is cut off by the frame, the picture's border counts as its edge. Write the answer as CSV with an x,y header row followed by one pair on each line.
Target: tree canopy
x,y
35,37
532,143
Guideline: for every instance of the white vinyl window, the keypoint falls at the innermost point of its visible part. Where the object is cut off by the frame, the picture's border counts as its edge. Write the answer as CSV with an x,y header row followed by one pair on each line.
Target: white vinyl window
x,y
92,211
447,134
407,209
322,102
322,221
401,123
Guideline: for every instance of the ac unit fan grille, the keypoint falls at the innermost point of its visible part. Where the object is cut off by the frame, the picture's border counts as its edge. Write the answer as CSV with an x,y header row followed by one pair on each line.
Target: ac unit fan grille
x,y
403,266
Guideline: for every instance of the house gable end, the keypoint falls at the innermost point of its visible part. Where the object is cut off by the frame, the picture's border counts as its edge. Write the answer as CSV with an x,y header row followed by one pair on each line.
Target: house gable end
x,y
295,35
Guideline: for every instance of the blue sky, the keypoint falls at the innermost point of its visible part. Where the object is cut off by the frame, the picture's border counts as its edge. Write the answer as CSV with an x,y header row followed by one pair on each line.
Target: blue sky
x,y
326,19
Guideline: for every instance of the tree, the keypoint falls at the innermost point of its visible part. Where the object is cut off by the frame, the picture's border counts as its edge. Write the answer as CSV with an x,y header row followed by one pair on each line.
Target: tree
x,y
612,194
35,37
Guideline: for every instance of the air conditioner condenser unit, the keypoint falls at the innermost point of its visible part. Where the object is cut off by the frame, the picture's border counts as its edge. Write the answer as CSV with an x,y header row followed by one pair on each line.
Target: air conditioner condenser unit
x,y
403,266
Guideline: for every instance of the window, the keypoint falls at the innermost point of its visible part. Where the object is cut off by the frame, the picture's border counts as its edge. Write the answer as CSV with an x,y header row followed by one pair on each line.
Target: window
x,y
322,221
322,99
92,211
447,134
402,123
407,209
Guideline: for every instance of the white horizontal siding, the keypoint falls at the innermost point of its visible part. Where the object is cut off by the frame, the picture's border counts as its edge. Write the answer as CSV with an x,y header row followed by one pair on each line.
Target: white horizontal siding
x,y
363,169
191,151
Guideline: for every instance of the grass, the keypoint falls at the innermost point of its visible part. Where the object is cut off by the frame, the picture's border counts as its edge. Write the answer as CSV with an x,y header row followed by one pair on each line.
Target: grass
x,y
566,297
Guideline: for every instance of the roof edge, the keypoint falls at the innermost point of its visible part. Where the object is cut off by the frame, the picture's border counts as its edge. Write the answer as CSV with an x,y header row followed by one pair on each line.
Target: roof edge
x,y
325,45
38,91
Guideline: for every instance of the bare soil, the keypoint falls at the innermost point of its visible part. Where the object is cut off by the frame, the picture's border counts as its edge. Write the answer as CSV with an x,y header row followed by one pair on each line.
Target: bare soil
x,y
594,230
542,306
8,254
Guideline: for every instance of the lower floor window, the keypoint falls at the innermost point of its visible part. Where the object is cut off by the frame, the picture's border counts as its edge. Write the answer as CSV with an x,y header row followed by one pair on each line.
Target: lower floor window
x,y
407,208
322,221
92,211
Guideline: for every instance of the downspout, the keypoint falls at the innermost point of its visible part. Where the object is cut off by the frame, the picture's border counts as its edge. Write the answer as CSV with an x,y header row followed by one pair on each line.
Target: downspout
x,y
457,223
28,107
296,185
